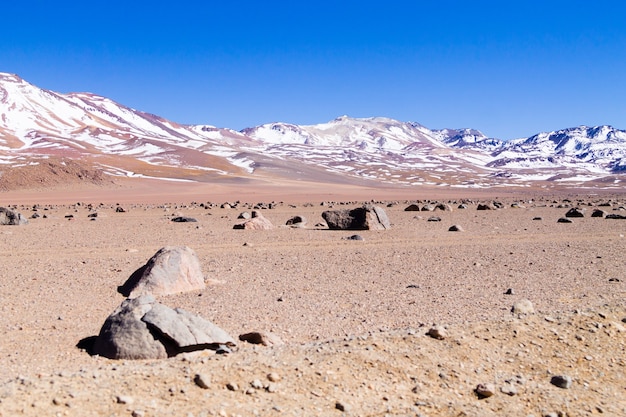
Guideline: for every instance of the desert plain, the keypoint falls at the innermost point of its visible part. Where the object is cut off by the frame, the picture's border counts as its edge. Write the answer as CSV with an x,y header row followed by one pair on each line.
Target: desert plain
x,y
353,315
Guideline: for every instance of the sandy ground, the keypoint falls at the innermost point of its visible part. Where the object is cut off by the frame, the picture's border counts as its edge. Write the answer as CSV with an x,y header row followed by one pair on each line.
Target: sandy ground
x,y
353,314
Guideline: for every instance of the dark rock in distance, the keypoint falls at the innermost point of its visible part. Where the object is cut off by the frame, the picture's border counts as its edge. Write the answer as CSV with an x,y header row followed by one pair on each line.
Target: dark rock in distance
x,y
368,217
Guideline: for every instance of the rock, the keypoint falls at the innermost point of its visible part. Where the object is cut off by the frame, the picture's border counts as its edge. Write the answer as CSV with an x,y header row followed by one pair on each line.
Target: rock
x,y
508,389
273,377
261,338
455,228
245,215
412,207
509,291
354,237
523,306
484,207
485,390
256,222
598,213
368,217
538,218
615,216
575,212
437,332
298,221
443,207
9,217
124,399
434,219
462,206
141,328
120,209
428,207
202,380
561,381
341,406
183,219
564,220
173,269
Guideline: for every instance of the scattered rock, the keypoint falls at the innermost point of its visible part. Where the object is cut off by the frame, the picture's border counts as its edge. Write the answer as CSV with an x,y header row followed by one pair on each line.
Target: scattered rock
x,y
202,380
523,306
141,328
9,217
485,390
368,217
484,207
297,221
256,222
437,332
508,389
598,213
615,216
341,406
537,218
412,207
183,219
443,207
354,237
575,212
173,269
509,291
455,228
261,338
434,219
124,399
245,215
564,220
561,381
120,209
273,377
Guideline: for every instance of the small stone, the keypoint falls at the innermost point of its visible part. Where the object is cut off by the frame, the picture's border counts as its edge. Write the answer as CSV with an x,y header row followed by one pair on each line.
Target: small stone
x,y
273,377
509,291
138,413
561,381
272,388
455,228
256,384
124,399
508,389
434,219
437,332
203,381
341,406
485,390
232,386
564,220
523,306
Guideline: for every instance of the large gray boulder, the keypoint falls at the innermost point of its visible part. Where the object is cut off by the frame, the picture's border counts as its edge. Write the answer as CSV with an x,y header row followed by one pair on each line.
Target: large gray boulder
x,y
141,328
368,217
173,269
10,217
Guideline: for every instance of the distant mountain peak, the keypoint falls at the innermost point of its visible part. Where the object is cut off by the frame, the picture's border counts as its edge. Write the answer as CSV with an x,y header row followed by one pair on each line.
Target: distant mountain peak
x,y
37,123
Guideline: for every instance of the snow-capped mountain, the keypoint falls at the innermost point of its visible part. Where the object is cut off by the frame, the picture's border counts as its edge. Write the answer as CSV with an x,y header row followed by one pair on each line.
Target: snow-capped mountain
x,y
37,124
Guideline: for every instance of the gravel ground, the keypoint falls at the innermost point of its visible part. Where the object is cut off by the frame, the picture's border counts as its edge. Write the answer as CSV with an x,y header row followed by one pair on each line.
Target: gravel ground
x,y
353,313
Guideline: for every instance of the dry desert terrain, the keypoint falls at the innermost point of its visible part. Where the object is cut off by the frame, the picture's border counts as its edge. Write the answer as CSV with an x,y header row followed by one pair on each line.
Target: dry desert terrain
x,y
353,314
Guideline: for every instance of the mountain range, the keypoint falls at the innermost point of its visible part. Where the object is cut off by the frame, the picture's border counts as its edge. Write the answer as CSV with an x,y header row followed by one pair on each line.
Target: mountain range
x,y
38,125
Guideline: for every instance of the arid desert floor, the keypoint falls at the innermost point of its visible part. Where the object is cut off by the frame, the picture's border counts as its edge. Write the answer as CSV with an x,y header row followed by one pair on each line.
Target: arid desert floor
x,y
353,314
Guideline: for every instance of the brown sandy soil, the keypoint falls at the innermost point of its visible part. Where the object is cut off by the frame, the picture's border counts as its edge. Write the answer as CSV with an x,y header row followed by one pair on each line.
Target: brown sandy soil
x,y
353,314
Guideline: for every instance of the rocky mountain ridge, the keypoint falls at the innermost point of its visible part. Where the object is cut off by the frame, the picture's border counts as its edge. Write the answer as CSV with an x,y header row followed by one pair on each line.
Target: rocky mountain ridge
x,y
37,124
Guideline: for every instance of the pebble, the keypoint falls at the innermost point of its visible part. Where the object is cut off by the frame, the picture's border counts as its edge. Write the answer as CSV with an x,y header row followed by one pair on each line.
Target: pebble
x,y
561,381
273,377
232,386
485,390
523,306
202,381
455,228
508,389
341,406
124,399
437,332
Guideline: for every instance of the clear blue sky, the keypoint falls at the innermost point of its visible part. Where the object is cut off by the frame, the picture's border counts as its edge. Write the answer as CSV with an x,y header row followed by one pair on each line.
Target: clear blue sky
x,y
508,68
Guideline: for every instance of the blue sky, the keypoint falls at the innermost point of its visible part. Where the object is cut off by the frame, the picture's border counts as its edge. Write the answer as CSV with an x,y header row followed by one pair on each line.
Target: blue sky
x,y
508,68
